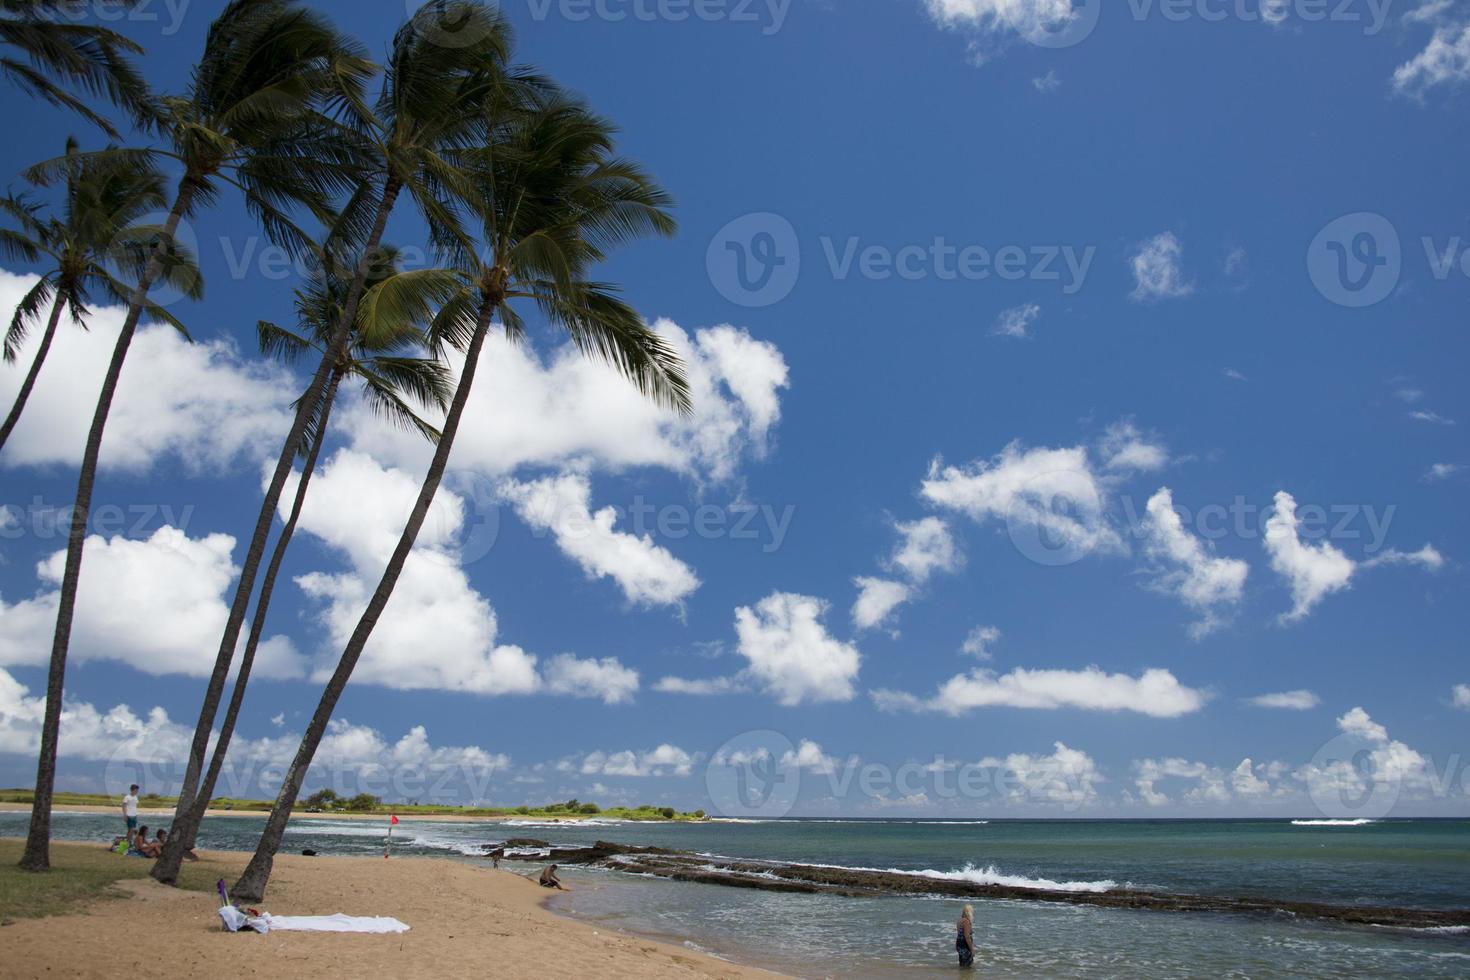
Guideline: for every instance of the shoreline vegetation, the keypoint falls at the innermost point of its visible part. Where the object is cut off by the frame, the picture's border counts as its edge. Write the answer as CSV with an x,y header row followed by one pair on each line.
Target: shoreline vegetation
x,y
83,920
358,808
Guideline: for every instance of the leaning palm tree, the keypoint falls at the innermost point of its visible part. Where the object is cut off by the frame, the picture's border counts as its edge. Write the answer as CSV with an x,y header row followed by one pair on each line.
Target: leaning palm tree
x,y
551,199
381,357
430,107
85,250
249,119
56,52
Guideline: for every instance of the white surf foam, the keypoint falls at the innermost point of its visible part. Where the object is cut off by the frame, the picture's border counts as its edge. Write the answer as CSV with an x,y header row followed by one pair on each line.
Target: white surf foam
x,y
1356,822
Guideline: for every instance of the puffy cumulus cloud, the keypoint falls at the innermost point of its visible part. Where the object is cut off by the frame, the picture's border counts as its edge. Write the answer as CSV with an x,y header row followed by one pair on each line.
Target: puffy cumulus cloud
x,y
925,546
808,756
203,405
1287,700
1188,569
119,734
979,641
992,23
1155,692
1374,760
1016,322
1441,471
1357,722
156,604
788,652
666,760
877,599
1461,696
437,632
647,574
574,409
1052,491
1124,447
1066,776
1157,269
1208,785
1313,572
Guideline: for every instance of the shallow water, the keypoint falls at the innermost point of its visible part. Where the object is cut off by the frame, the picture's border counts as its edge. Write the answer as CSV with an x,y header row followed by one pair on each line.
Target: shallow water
x,y
1412,863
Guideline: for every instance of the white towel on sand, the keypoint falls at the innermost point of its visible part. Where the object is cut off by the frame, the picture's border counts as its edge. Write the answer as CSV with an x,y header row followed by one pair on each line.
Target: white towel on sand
x,y
236,920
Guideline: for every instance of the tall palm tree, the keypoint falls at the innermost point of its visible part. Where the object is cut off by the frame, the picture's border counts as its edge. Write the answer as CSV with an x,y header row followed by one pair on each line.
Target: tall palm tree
x,y
551,198
247,120
86,248
56,52
382,358
430,106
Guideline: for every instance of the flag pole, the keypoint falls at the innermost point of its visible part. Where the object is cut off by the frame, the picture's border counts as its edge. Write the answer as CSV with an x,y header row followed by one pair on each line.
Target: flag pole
x,y
388,842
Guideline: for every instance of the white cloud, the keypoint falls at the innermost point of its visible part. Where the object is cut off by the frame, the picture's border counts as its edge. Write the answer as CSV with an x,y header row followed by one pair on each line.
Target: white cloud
x,y
279,719
572,409
1287,700
1384,761
701,687
1028,18
1067,776
647,574
979,641
1357,722
1462,696
876,601
120,735
1316,571
808,755
1430,416
202,405
1016,321
1155,692
1053,491
1124,447
1212,786
1312,571
1441,471
1049,82
1156,269
1445,61
790,653
1207,584
437,632
156,604
666,760
925,547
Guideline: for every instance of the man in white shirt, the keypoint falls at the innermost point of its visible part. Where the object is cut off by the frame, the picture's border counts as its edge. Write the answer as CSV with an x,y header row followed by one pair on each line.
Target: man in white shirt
x,y
130,810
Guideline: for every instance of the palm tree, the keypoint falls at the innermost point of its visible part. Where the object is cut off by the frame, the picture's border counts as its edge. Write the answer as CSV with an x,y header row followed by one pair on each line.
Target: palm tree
x,y
551,199
84,250
248,120
430,106
55,53
380,358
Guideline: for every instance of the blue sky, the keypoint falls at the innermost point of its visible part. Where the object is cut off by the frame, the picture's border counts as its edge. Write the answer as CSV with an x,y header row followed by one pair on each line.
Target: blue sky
x,y
1203,339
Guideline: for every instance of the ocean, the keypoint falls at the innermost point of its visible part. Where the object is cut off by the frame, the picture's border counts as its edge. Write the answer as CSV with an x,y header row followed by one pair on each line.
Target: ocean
x,y
1409,863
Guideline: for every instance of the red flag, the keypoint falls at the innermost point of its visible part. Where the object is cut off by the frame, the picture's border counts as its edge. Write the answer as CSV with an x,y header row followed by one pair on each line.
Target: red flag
x,y
393,820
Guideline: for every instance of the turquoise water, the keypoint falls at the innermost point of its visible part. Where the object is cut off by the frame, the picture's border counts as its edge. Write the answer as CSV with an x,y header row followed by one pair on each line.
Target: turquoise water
x,y
1423,863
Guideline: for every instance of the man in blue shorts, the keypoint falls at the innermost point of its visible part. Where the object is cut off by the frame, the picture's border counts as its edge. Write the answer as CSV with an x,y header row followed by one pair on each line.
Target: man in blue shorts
x,y
130,810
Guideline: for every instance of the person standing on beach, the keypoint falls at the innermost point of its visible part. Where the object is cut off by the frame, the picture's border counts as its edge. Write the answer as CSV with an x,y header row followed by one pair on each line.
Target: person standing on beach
x,y
130,810
964,940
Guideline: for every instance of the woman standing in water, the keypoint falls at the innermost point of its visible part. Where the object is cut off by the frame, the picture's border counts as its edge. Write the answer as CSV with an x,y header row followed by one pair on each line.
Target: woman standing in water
x,y
964,940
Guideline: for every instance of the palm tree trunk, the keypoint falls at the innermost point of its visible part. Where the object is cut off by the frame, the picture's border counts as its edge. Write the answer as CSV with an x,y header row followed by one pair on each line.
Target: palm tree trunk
x,y
37,856
166,871
189,832
251,886
30,381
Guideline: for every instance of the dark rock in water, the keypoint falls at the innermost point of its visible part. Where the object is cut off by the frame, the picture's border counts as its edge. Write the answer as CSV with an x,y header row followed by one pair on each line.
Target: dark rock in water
x,y
776,876
524,842
308,852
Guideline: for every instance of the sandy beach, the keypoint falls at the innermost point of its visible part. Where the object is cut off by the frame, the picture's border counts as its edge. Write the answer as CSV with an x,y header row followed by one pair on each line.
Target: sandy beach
x,y
465,920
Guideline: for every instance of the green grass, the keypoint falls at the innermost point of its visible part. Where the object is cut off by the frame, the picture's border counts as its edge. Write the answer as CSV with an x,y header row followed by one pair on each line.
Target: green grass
x,y
80,873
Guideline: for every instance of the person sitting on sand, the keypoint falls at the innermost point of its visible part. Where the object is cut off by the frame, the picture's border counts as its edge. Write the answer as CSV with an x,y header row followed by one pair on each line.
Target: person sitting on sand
x,y
549,878
964,940
162,839
139,846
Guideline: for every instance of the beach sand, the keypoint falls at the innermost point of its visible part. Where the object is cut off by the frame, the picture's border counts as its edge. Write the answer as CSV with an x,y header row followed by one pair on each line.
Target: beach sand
x,y
465,921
